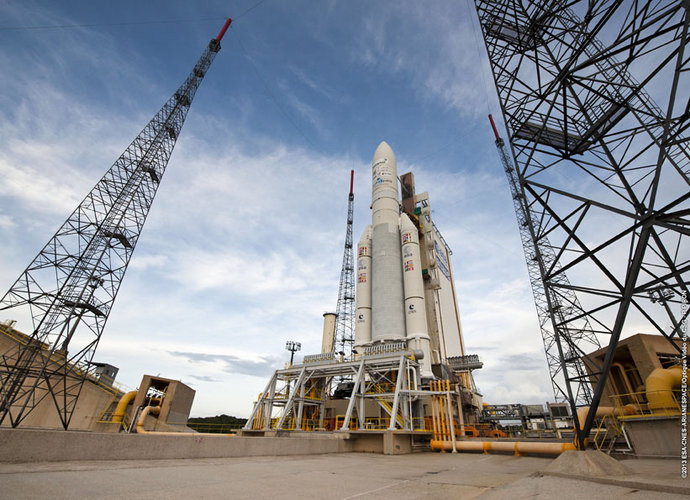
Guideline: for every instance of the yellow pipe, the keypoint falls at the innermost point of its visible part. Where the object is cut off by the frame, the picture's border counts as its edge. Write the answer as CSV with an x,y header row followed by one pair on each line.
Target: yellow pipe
x,y
624,377
442,412
659,387
122,406
604,411
433,412
517,447
156,410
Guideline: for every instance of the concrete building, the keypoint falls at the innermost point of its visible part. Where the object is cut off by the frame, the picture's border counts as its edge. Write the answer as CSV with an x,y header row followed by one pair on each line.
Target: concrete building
x,y
643,393
104,406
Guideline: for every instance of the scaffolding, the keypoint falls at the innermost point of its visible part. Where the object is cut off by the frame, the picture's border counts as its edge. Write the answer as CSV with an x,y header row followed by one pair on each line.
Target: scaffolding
x,y
388,375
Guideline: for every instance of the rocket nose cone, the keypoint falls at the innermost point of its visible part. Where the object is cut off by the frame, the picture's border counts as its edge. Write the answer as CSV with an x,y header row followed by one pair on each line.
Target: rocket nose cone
x,y
383,151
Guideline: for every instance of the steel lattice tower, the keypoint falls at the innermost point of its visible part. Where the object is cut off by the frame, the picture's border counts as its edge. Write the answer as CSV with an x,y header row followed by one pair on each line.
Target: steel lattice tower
x,y
603,170
68,290
565,346
345,310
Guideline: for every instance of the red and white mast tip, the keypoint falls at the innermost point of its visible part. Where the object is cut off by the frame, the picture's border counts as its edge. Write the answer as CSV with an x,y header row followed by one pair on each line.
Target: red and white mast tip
x,y
223,30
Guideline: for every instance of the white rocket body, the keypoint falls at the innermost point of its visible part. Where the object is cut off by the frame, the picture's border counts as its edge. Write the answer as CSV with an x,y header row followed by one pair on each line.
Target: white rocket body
x,y
363,291
387,315
415,307
390,305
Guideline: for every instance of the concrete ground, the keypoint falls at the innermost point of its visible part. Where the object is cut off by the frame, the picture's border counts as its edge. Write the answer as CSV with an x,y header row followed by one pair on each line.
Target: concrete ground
x,y
334,476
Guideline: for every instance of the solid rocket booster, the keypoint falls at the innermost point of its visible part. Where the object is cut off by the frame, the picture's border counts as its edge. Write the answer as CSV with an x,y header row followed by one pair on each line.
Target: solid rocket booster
x,y
387,314
415,307
363,291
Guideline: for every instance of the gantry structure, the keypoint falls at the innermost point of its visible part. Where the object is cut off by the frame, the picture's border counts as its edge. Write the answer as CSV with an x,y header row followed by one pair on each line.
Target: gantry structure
x,y
388,374
67,291
594,97
345,309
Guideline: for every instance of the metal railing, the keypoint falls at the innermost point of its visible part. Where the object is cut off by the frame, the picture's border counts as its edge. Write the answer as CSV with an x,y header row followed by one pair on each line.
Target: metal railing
x,y
642,406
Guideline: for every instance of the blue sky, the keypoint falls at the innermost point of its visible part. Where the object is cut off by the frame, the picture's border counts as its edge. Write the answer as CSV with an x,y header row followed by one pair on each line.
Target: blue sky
x,y
243,245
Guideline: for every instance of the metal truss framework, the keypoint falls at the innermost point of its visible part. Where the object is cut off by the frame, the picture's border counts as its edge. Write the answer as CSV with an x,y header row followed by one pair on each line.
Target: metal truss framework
x,y
69,288
603,170
376,377
565,329
345,309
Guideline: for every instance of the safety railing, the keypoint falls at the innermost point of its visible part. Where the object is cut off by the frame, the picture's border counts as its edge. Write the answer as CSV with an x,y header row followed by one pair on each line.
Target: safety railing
x,y
210,427
606,430
665,404
89,372
420,424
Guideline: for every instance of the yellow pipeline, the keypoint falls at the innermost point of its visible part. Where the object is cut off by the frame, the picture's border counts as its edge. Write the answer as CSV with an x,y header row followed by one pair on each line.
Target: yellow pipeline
x,y
604,411
434,416
155,410
122,406
624,377
659,387
517,447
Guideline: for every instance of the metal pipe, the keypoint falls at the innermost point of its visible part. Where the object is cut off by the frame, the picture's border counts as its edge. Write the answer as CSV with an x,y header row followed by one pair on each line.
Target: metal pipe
x,y
433,413
442,412
142,418
450,415
624,377
461,416
156,410
659,387
225,27
517,447
605,411
122,405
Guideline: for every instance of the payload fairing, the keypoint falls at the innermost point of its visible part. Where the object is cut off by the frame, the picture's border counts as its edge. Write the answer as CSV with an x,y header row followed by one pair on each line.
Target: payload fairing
x,y
390,289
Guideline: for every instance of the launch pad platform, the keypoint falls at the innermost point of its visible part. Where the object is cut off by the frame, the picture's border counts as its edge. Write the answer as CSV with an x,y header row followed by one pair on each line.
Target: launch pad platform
x,y
334,476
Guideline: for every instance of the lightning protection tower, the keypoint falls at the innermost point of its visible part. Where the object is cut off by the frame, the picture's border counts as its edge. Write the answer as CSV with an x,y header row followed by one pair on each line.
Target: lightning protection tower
x,y
603,168
345,310
566,341
68,290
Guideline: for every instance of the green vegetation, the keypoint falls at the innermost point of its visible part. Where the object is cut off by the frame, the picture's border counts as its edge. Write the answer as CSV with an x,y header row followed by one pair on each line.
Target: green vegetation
x,y
221,424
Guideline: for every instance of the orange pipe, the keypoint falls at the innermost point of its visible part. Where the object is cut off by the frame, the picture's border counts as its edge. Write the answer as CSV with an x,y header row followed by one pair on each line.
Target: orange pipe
x,y
517,447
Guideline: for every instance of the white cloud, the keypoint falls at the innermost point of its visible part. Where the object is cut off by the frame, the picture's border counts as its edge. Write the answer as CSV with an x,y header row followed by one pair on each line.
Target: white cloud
x,y
436,48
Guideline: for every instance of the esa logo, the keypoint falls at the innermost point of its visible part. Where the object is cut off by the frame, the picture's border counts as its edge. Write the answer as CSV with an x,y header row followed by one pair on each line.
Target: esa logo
x,y
411,309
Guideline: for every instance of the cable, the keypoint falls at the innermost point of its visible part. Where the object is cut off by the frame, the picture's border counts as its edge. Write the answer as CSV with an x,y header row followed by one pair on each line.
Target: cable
x,y
479,54
249,10
97,25
270,94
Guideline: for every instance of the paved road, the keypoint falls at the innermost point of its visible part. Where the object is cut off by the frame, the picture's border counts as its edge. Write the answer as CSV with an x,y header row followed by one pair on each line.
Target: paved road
x,y
333,476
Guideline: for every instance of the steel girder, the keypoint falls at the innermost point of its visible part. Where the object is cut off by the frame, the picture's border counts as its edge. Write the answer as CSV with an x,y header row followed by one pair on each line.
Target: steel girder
x,y
604,170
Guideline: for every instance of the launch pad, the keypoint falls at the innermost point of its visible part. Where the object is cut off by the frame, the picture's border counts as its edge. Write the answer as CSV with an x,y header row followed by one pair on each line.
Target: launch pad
x,y
408,377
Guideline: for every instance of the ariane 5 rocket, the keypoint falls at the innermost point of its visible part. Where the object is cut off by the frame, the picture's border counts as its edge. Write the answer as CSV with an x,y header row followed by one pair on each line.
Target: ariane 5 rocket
x,y
390,305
